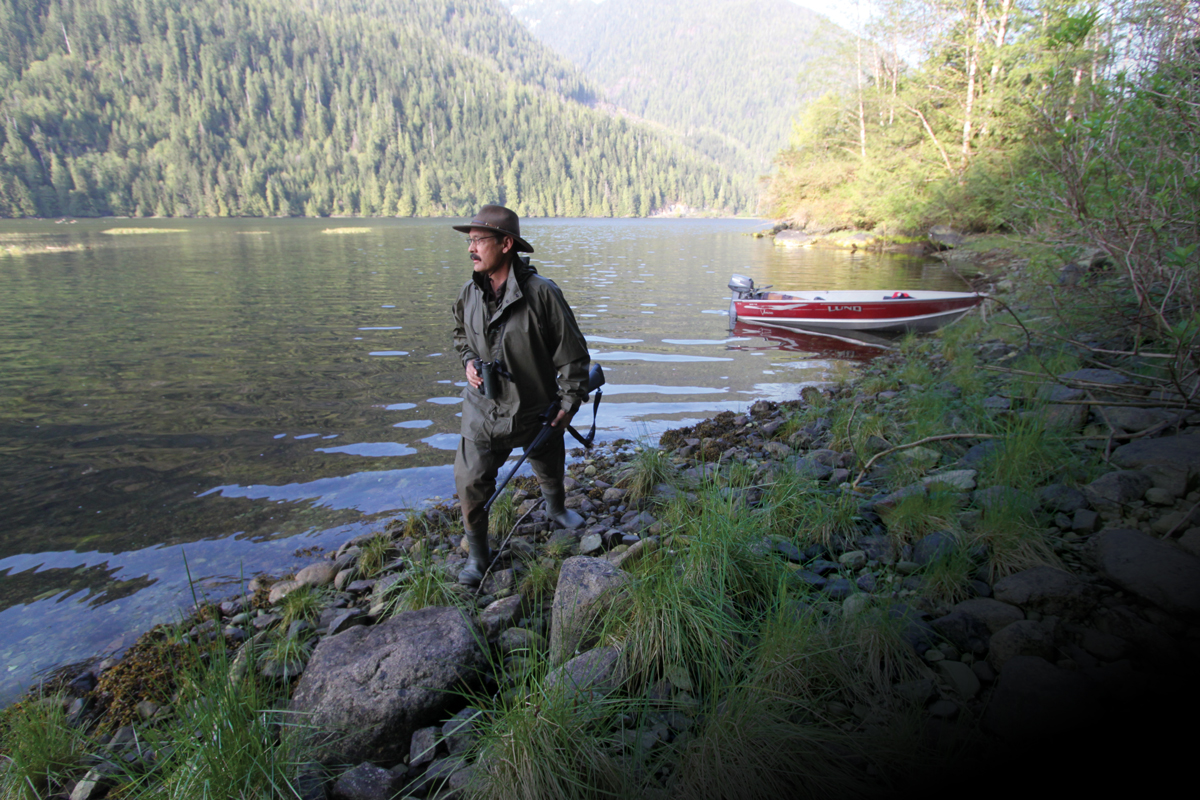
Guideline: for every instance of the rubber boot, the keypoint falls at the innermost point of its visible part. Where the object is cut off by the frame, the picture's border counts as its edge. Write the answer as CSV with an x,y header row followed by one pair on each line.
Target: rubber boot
x,y
555,496
478,560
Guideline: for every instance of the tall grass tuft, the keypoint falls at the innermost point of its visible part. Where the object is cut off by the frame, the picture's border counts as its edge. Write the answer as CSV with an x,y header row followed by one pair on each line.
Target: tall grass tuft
x,y
539,580
675,629
916,515
375,555
227,742
794,662
423,584
1029,455
1013,540
725,555
540,743
852,425
949,576
795,507
503,514
873,652
651,466
38,748
748,749
414,524
303,603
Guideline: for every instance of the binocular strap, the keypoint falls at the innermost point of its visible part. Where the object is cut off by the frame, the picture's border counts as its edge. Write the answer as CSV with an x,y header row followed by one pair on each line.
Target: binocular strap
x,y
586,441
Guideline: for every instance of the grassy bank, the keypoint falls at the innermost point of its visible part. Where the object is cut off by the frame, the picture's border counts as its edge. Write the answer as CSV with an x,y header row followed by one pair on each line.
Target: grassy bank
x,y
765,639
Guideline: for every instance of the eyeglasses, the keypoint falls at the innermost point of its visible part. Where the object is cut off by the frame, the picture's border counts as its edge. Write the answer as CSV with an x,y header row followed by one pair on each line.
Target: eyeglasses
x,y
474,240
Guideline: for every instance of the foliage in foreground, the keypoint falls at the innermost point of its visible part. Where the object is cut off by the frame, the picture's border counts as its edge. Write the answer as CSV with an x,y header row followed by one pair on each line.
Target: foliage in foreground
x,y
229,740
38,748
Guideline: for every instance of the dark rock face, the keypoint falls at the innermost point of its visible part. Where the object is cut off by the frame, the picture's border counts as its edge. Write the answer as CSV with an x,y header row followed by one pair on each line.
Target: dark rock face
x,y
1107,377
1048,591
1057,497
1118,488
971,623
1171,452
1159,572
1035,698
371,688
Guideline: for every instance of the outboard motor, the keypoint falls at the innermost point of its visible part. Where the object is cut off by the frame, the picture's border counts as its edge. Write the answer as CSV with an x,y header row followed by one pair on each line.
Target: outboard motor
x,y
743,289
741,285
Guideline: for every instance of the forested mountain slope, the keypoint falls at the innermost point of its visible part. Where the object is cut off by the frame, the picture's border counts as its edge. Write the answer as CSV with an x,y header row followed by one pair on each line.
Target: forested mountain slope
x,y
723,72
266,107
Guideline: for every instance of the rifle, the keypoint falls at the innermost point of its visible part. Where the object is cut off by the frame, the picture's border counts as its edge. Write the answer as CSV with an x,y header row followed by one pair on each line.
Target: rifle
x,y
595,381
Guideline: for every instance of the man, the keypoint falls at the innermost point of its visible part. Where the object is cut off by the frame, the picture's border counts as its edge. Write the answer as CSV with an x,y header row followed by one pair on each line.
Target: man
x,y
517,325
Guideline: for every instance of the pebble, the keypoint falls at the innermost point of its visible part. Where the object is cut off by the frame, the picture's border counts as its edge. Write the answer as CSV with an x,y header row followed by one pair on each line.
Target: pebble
x,y
854,559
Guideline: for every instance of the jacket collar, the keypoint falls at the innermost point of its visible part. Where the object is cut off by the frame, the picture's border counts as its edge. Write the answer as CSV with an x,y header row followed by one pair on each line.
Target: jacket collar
x,y
518,273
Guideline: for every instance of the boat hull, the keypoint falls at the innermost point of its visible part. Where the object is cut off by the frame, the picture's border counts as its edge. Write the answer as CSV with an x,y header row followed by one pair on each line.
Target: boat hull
x,y
853,311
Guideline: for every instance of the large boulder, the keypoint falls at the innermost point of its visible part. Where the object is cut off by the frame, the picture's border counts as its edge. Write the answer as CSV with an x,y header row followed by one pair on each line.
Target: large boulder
x,y
945,237
587,588
1170,453
1152,569
1118,488
790,238
1047,590
368,689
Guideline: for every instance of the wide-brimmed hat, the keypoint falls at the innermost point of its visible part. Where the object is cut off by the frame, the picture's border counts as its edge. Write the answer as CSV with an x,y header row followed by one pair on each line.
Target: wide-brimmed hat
x,y
501,220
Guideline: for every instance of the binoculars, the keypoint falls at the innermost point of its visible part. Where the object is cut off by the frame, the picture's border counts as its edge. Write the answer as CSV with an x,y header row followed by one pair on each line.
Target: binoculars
x,y
491,372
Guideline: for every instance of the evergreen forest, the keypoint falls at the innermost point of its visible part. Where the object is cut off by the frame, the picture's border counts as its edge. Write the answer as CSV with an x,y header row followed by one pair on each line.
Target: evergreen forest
x,y
315,108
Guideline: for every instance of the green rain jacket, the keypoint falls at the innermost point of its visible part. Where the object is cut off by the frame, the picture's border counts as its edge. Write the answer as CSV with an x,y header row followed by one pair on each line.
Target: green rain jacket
x,y
543,349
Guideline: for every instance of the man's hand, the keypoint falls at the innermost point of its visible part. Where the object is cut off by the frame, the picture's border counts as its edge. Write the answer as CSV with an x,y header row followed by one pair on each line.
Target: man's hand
x,y
473,377
562,419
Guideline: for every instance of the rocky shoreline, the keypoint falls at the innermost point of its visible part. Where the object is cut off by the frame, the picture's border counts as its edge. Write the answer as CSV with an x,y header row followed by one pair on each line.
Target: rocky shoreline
x,y
1063,637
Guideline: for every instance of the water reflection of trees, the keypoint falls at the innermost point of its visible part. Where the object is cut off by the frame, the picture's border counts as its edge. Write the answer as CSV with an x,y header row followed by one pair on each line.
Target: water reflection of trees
x,y
100,582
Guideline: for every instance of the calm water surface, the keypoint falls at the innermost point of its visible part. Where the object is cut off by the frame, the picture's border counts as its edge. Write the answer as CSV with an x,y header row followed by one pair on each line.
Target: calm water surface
x,y
231,392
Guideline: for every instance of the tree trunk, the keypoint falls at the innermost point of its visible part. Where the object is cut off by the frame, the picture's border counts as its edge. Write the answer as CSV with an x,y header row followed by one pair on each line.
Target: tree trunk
x,y
862,120
972,68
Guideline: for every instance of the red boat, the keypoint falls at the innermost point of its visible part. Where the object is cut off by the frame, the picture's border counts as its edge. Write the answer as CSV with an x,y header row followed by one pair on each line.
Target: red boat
x,y
858,310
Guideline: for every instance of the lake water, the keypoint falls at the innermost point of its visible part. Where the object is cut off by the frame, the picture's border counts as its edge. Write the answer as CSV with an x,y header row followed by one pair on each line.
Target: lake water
x,y
232,391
